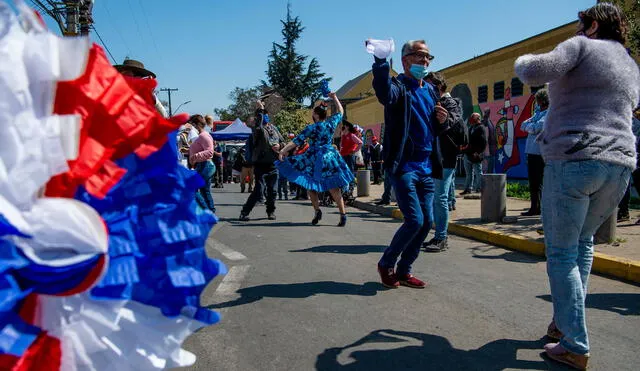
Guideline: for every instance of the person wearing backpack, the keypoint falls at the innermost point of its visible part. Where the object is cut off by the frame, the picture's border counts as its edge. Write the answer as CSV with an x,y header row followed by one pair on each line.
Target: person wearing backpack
x,y
474,154
448,143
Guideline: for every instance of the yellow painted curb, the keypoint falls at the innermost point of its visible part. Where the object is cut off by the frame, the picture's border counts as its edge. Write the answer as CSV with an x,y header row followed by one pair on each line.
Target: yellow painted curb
x,y
622,268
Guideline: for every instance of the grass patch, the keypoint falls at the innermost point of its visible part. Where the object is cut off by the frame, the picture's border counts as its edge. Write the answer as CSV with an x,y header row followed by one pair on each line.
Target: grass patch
x,y
518,190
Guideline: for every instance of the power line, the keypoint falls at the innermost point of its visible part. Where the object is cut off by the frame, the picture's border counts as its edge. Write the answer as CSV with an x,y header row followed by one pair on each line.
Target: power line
x,y
124,41
135,20
146,19
104,44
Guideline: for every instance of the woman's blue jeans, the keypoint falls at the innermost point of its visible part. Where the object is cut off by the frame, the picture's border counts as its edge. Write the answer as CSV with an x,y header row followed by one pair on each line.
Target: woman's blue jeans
x,y
578,196
204,197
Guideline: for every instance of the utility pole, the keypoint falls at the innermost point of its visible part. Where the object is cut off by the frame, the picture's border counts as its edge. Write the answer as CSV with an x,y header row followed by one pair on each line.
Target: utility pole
x,y
169,90
72,16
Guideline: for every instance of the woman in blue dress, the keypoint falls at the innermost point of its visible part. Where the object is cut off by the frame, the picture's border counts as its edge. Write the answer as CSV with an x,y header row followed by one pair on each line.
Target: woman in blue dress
x,y
320,168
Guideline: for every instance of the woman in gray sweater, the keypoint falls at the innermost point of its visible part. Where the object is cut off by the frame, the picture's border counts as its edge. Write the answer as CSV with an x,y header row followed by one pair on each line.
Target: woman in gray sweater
x,y
589,151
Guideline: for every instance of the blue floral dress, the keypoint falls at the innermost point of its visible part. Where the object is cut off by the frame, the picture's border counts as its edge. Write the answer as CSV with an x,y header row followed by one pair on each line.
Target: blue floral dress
x,y
321,167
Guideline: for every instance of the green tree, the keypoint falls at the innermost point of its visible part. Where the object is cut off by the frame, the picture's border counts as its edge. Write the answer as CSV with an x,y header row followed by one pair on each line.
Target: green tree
x,y
631,10
243,104
286,71
290,119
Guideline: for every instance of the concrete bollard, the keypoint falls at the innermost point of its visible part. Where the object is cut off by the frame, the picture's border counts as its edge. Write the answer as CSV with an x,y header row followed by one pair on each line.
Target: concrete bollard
x,y
607,231
363,178
493,204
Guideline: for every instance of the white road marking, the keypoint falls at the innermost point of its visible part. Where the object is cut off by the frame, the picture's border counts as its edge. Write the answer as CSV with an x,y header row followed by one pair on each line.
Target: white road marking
x,y
225,250
232,281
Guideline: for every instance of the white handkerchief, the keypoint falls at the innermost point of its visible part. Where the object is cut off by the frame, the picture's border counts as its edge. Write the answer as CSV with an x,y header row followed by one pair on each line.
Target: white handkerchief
x,y
380,48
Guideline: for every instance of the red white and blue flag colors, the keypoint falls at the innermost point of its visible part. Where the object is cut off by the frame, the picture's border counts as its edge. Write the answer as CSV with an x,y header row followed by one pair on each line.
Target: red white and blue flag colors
x,y
102,258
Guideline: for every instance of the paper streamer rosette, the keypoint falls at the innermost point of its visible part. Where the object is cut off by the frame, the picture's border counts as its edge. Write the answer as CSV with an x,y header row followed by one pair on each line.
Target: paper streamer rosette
x,y
102,258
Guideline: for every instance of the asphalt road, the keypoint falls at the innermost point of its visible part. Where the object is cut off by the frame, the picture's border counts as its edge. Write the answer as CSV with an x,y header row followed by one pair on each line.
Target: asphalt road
x,y
299,297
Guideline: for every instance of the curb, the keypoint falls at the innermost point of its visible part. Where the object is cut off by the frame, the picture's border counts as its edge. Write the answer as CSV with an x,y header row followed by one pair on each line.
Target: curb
x,y
613,266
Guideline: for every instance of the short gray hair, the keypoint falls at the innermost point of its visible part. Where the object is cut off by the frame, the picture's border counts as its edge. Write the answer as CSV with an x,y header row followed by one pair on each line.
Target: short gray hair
x,y
542,97
407,48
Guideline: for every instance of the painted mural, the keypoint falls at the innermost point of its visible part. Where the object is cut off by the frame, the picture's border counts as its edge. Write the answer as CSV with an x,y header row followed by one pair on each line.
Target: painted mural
x,y
506,117
372,130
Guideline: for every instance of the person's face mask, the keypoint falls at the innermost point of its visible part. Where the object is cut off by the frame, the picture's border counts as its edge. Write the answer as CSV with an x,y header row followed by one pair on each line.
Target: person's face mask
x,y
419,71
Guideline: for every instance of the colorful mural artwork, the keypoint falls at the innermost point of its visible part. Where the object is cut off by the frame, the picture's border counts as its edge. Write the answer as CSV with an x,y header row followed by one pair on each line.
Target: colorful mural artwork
x,y
507,116
371,131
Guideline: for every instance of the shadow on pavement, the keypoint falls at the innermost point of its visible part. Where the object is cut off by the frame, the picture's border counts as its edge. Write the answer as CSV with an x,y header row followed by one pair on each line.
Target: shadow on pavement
x,y
344,249
300,291
252,223
372,217
623,304
404,350
487,252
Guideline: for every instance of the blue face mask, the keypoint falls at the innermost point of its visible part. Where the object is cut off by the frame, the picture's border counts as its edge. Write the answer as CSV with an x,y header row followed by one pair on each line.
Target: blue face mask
x,y
418,71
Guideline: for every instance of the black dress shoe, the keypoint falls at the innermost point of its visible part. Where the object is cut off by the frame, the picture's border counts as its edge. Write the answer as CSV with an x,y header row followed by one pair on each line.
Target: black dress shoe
x,y
382,203
531,213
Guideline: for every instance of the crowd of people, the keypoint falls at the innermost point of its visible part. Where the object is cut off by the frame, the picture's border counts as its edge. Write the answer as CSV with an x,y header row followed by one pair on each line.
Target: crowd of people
x,y
130,223
582,141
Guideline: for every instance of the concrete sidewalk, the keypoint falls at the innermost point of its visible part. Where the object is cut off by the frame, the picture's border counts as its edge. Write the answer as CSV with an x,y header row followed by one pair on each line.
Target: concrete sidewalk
x,y
621,259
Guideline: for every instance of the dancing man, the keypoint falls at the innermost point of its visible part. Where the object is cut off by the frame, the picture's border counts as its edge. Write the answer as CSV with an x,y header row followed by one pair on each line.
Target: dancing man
x,y
413,119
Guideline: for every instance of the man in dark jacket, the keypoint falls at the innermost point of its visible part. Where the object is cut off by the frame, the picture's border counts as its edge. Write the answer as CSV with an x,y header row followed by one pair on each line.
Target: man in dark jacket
x,y
474,154
413,120
264,152
449,143
375,155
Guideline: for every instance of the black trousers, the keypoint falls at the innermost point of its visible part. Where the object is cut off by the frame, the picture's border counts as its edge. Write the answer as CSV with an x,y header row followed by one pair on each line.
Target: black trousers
x,y
376,167
623,208
535,167
266,181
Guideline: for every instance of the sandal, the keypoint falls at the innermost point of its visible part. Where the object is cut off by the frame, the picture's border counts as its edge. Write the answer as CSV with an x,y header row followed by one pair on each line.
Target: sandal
x,y
553,332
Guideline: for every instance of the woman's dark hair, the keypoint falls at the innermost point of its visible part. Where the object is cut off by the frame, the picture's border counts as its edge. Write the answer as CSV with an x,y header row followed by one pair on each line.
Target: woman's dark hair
x,y
349,126
542,97
612,24
321,111
198,121
438,80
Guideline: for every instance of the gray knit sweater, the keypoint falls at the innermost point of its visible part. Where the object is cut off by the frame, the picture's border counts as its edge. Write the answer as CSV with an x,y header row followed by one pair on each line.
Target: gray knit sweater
x,y
594,85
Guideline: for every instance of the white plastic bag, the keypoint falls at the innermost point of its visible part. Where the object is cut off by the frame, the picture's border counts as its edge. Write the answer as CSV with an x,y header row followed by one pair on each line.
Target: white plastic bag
x,y
380,48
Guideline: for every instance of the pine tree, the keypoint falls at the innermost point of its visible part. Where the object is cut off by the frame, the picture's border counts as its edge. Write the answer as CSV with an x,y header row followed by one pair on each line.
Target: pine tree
x,y
286,68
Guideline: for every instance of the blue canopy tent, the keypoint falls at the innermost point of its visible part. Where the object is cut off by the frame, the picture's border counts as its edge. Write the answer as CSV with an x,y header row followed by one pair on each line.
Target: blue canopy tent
x,y
236,131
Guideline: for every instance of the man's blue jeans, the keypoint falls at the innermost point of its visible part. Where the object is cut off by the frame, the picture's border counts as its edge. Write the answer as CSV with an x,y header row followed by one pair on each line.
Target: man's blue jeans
x,y
578,196
452,190
414,193
441,203
473,173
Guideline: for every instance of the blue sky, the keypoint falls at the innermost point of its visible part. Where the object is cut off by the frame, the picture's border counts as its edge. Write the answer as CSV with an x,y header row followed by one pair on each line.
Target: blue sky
x,y
205,48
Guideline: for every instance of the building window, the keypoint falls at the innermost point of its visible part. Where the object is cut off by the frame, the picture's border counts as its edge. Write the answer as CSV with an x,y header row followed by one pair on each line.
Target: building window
x,y
534,89
483,94
517,88
498,90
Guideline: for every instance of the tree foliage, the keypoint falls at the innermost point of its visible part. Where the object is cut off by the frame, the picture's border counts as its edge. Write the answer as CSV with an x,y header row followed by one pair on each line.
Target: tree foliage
x,y
286,71
631,10
243,104
290,119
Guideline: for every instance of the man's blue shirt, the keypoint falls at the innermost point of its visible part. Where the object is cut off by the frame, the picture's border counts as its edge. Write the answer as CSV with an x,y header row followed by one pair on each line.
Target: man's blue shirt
x,y
421,126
